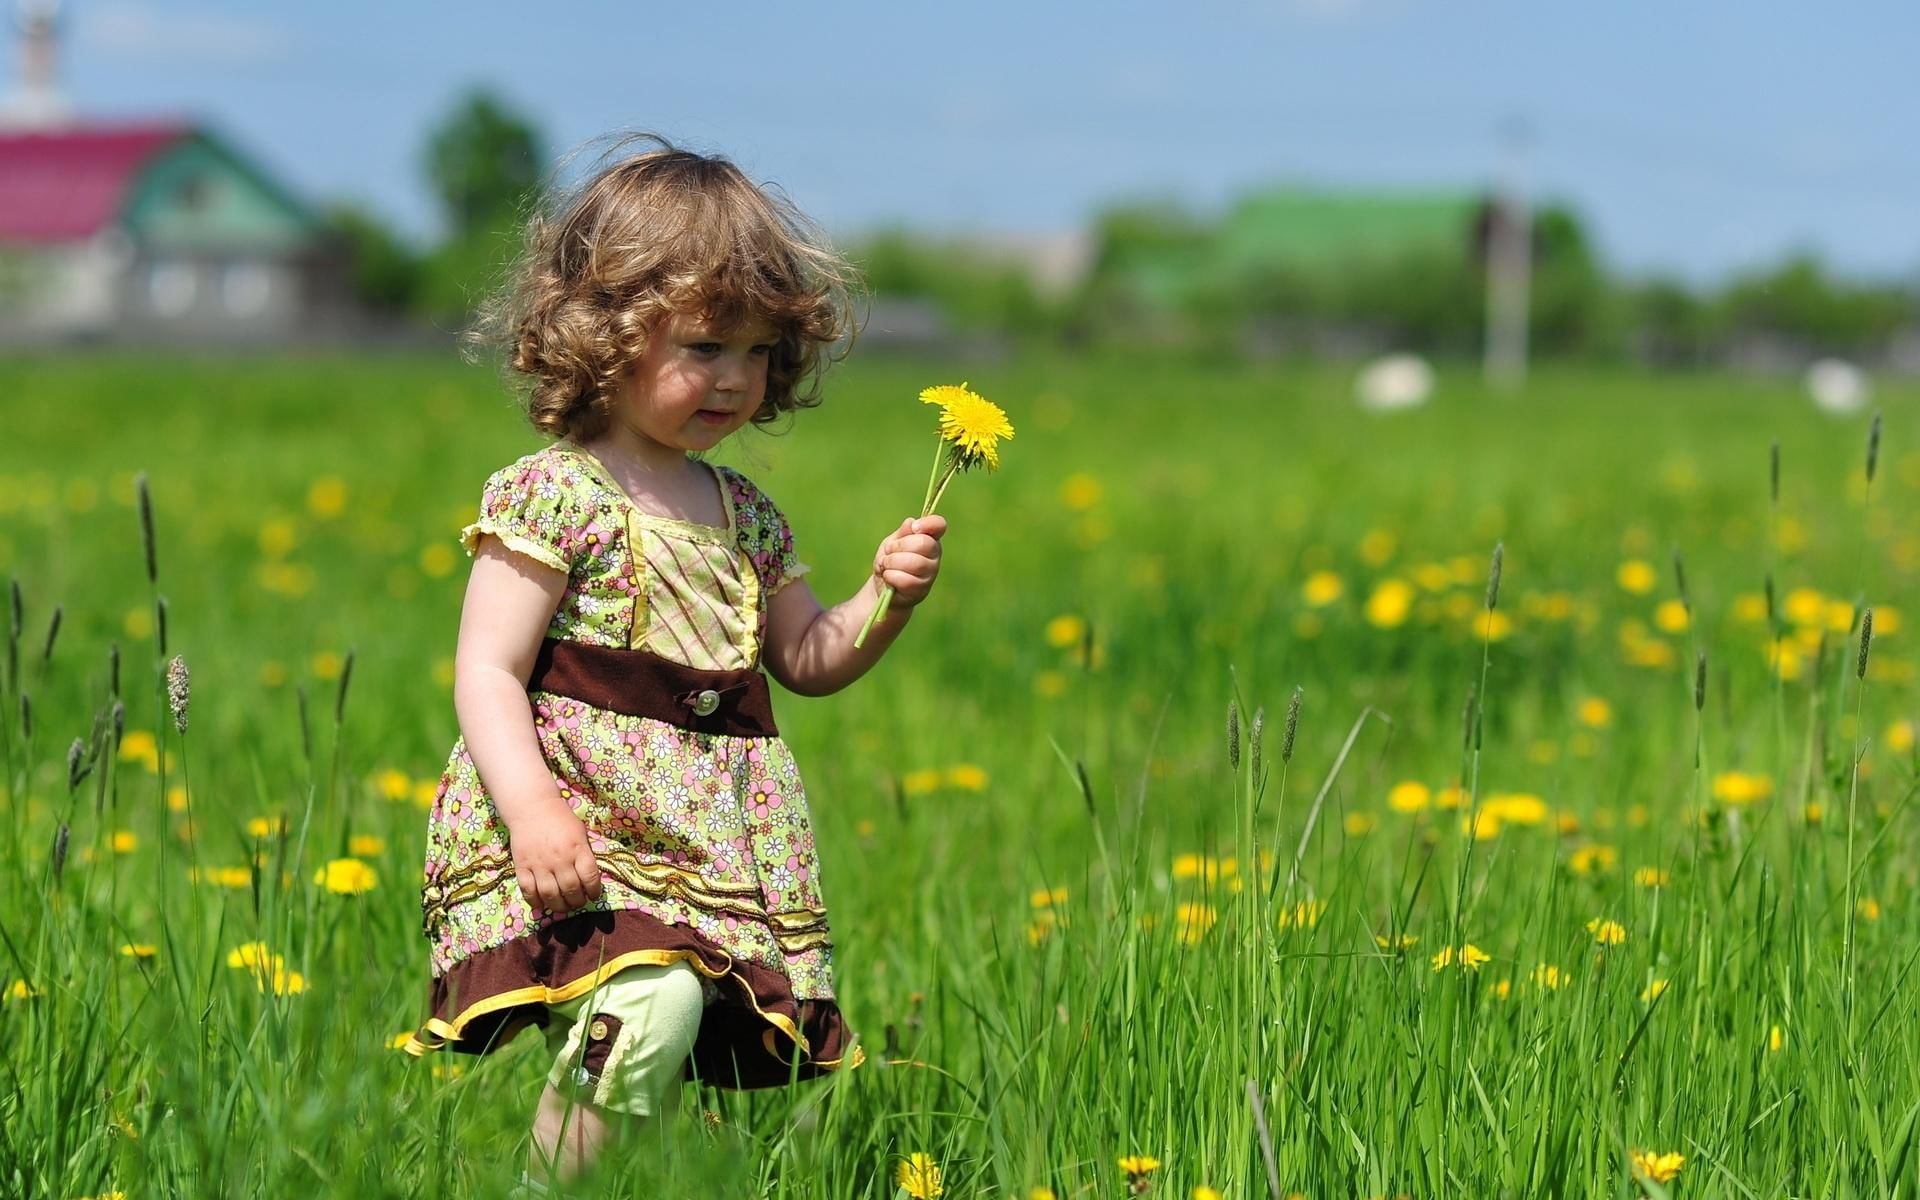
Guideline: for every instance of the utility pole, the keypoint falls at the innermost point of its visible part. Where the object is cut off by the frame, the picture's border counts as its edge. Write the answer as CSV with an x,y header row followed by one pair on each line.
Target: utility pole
x,y
1509,264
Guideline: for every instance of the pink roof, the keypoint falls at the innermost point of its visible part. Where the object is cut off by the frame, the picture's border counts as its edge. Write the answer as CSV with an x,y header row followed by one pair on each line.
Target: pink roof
x,y
62,185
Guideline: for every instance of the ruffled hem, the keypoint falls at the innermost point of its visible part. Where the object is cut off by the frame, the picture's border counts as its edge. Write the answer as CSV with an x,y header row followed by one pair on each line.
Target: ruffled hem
x,y
755,1034
470,541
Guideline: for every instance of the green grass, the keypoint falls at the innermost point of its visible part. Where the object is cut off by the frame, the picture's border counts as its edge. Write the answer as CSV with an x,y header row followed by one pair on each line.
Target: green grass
x,y
1179,509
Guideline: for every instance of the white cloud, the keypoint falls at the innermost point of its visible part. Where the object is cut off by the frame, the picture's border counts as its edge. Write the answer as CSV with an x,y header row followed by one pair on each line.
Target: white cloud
x,y
131,31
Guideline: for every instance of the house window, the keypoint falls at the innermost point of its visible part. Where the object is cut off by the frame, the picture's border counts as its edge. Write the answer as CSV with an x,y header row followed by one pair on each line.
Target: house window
x,y
246,287
170,287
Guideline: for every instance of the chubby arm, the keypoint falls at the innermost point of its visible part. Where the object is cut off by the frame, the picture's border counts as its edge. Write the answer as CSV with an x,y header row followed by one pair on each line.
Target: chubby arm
x,y
510,601
810,650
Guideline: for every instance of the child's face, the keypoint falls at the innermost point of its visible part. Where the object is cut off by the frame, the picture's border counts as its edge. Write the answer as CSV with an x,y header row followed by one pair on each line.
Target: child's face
x,y
695,384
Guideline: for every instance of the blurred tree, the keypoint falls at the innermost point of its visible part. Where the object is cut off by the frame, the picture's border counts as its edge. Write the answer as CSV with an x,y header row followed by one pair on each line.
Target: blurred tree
x,y
484,161
383,270
973,291
1797,301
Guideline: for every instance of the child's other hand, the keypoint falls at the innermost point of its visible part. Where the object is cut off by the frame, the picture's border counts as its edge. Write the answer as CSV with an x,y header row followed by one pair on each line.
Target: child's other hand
x,y
554,864
909,559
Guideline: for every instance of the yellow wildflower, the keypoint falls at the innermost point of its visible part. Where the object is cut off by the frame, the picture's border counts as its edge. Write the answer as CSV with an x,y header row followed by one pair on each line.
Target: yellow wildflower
x,y
1321,589
264,827
1397,942
1304,915
1661,1168
1607,932
919,1176
1671,617
972,424
1550,977
967,777
1636,576
1776,1038
327,497
1193,921
1595,713
1739,787
1389,604
1589,860
1081,491
1868,908
249,954
1408,796
366,845
920,783
1048,897
1653,990
1652,877
1358,824
346,876
1469,957
125,842
137,950
20,989
1066,630
1136,1165
1203,1192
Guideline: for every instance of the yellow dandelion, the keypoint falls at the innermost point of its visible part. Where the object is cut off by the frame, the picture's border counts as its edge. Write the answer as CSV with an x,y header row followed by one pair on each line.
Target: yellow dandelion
x,y
1136,1165
1607,932
346,876
327,497
1041,1193
1304,915
1868,908
1048,897
1377,546
137,950
125,842
1321,589
920,783
1203,1192
265,827
967,777
1740,787
1550,977
1661,1168
919,1176
1636,576
1081,491
1389,604
366,845
1595,713
249,954
1652,877
1776,1038
1409,796
1469,957
1671,617
1503,989
970,423
1066,630
1653,991
1590,860
1396,942
20,989
1193,921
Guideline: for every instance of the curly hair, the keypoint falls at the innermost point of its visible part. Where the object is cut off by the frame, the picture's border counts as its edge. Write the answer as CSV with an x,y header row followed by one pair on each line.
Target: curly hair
x,y
656,233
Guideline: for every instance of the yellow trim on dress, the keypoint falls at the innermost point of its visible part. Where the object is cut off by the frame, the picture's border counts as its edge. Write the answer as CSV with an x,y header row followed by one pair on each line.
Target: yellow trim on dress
x,y
470,541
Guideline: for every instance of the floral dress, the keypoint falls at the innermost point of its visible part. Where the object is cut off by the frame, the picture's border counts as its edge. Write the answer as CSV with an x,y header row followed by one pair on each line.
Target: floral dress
x,y
653,717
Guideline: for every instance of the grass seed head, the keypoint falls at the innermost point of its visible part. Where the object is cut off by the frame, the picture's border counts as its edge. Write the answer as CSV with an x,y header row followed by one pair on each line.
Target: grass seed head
x,y
178,692
113,669
119,724
1866,643
1292,727
1773,619
340,697
1086,785
1873,447
1233,734
53,635
60,839
1773,473
76,757
1468,715
26,716
1493,576
146,526
1680,581
160,623
1700,682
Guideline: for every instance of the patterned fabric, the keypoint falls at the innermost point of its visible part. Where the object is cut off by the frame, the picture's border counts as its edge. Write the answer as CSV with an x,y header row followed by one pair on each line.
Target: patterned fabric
x,y
706,830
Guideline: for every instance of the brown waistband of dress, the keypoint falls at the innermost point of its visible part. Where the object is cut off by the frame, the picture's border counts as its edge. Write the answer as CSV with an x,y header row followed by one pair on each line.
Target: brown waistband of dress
x,y
640,683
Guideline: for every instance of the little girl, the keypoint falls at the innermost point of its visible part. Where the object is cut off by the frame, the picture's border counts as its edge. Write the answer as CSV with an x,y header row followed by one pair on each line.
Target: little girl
x,y
619,849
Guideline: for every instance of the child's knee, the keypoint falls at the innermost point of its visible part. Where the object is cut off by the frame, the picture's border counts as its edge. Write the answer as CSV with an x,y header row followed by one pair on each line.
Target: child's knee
x,y
627,1044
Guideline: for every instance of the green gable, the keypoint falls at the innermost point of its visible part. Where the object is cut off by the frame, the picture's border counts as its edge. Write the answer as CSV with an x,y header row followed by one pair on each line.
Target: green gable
x,y
199,195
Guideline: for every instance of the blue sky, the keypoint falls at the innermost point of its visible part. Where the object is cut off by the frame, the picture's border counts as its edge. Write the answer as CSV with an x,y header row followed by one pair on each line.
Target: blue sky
x,y
1696,138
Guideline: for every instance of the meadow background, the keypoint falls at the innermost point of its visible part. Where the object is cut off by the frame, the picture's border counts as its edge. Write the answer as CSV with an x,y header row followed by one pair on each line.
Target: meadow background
x,y
1076,919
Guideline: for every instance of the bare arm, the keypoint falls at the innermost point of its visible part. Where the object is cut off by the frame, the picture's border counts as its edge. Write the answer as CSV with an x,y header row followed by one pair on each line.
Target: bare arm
x,y
510,601
810,649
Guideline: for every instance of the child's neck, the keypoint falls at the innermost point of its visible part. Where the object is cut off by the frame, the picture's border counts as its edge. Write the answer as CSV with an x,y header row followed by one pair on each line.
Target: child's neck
x,y
633,455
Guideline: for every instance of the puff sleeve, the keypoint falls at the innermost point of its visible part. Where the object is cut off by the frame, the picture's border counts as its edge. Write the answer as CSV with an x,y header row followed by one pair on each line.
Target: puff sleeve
x,y
765,536
536,507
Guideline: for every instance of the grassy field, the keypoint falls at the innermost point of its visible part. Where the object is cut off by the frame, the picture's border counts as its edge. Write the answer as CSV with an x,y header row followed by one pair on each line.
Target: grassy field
x,y
1518,910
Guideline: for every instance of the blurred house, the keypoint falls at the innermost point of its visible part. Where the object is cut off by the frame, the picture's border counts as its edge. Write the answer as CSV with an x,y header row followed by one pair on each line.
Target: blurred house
x,y
150,231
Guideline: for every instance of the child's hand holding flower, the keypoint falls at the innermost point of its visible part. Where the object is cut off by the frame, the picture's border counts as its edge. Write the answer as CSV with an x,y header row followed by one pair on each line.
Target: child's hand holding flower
x,y
971,430
908,560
